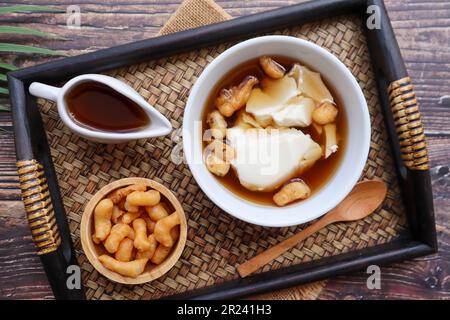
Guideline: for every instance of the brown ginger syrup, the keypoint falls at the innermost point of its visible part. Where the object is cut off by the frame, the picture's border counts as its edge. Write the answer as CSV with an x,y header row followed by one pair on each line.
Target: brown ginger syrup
x,y
317,176
97,106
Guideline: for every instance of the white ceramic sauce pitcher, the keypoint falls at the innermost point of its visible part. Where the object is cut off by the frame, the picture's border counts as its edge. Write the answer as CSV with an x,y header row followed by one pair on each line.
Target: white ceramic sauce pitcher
x,y
158,126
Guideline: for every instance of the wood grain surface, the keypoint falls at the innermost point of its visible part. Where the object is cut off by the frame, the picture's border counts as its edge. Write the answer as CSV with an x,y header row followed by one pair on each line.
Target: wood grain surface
x,y
422,28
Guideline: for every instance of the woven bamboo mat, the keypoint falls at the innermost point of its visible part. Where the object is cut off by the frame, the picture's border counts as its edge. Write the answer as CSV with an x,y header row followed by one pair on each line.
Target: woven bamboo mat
x,y
216,242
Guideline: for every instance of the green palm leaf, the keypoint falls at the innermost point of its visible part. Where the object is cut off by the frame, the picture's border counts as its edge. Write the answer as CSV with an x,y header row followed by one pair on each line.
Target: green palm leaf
x,y
18,48
13,9
28,31
7,66
4,107
12,47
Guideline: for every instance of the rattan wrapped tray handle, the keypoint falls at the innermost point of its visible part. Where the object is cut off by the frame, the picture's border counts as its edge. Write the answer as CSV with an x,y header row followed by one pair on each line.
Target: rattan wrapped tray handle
x,y
38,206
408,124
45,231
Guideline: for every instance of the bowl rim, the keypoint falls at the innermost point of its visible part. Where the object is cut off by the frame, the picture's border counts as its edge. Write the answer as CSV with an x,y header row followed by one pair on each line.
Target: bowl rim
x,y
347,185
89,247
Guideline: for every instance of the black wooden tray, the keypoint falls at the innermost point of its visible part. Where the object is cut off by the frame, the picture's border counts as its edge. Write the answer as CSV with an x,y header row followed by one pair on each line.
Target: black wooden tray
x,y
40,190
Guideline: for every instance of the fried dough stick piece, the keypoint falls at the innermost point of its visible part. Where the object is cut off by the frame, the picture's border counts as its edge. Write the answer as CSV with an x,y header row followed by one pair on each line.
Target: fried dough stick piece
x,y
294,190
102,220
117,195
272,68
129,269
234,98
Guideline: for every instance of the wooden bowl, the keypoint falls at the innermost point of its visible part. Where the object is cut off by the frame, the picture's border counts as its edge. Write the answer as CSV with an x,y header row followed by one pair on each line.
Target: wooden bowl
x,y
92,250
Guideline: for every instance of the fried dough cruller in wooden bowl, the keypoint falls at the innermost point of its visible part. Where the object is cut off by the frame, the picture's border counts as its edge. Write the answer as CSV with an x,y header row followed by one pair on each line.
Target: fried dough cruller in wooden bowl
x,y
133,230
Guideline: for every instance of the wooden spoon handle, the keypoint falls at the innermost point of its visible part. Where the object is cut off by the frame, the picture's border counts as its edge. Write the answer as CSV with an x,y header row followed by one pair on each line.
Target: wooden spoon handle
x,y
270,254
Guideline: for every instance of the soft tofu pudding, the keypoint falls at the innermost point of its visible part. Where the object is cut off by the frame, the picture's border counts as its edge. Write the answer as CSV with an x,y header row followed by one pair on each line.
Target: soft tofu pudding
x,y
266,158
273,131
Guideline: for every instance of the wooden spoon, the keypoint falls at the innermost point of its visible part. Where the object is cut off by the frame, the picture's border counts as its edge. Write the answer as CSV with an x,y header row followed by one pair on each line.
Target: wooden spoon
x,y
361,201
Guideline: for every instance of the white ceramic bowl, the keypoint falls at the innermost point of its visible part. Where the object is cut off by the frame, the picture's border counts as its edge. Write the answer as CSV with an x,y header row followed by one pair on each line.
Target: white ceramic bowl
x,y
357,145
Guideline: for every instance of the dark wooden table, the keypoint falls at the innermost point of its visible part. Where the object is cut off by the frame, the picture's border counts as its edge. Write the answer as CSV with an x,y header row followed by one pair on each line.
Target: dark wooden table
x,y
422,28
